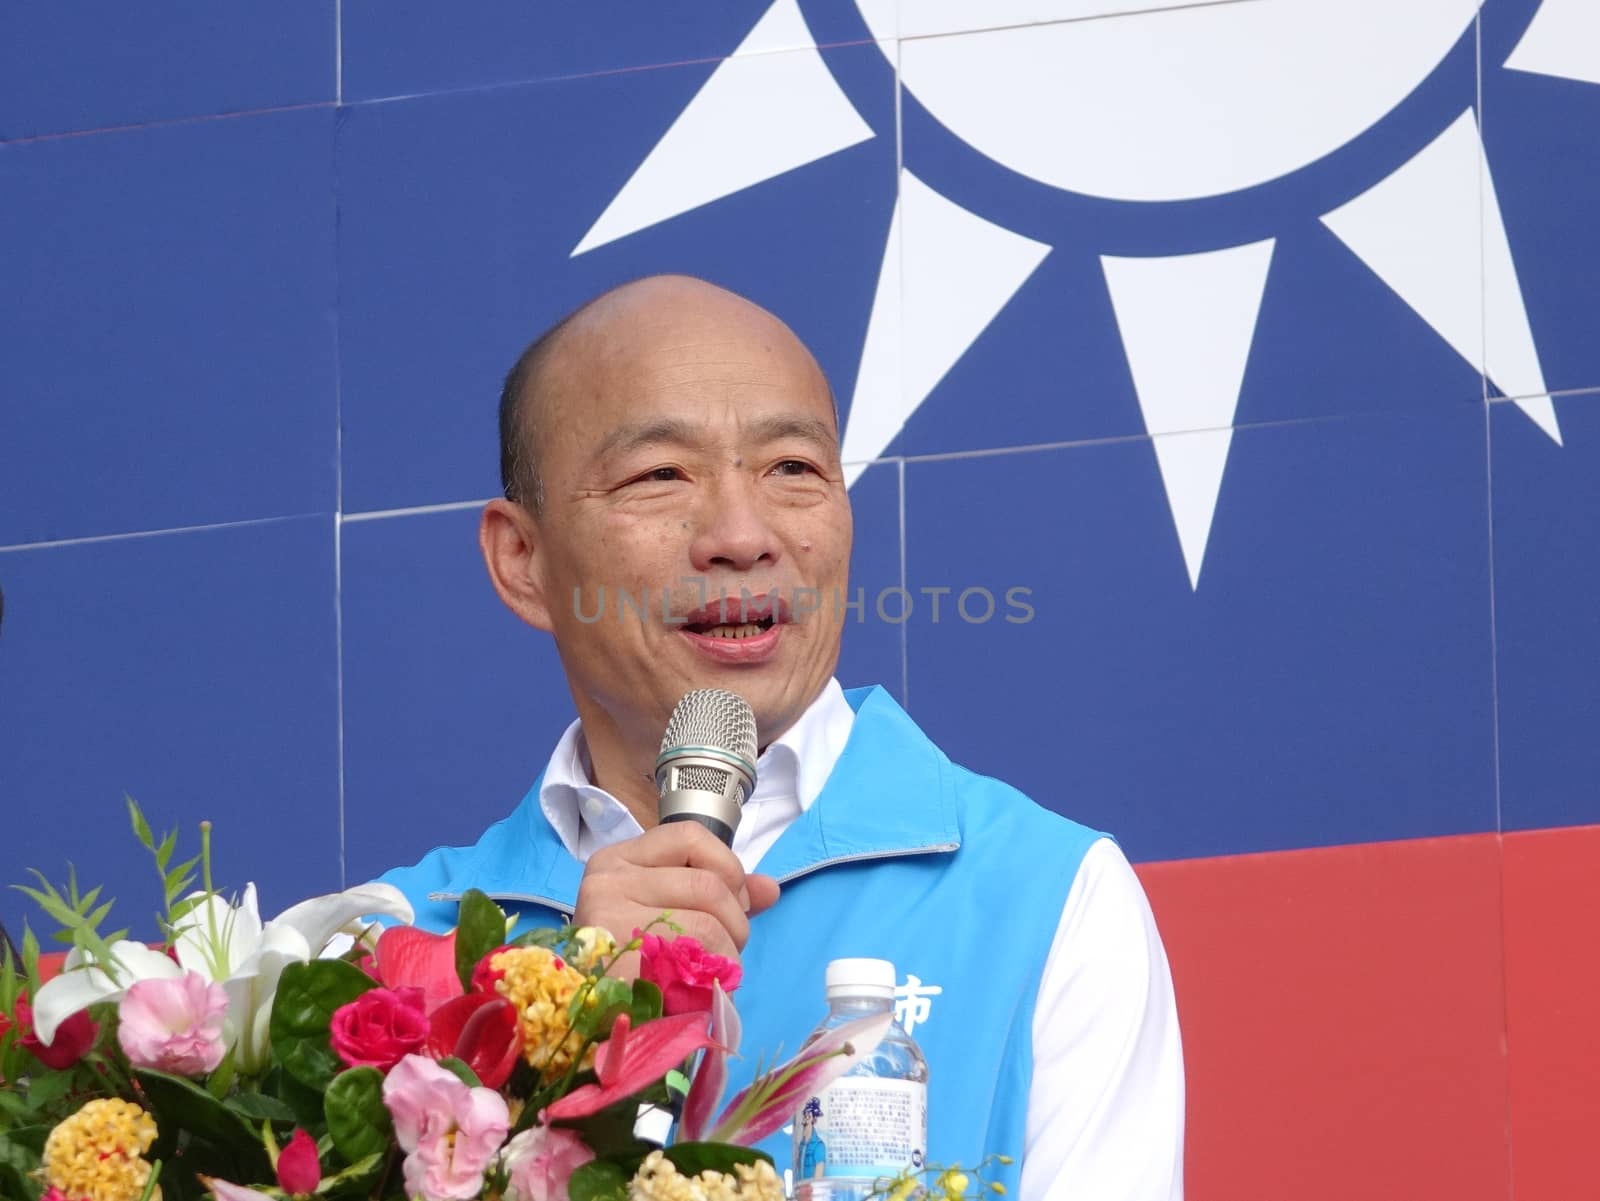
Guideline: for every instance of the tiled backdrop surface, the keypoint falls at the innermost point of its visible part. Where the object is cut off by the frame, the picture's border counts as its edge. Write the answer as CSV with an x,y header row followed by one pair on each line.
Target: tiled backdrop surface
x,y
1311,602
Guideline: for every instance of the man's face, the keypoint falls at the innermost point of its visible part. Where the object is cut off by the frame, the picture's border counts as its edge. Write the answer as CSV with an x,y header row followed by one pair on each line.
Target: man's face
x,y
690,457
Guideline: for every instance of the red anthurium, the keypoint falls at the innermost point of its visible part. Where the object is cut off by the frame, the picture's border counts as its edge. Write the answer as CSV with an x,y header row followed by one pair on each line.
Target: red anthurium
x,y
631,1059
482,1031
413,958
51,965
298,1169
73,1038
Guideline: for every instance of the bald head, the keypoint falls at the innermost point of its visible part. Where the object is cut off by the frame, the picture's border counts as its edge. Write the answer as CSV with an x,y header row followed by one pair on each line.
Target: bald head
x,y
658,308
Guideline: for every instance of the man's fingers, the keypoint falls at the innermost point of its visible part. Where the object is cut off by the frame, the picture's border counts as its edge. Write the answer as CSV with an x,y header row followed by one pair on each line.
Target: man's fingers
x,y
683,891
682,844
762,893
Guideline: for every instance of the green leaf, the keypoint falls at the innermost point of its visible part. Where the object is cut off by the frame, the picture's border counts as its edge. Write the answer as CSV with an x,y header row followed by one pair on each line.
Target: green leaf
x,y
358,1120
304,1102
480,928
30,958
47,1088
360,1179
18,1162
14,1105
164,852
308,994
222,1078
677,1082
592,1018
179,1104
547,937
598,1180
693,1158
259,1107
647,1002
141,828
461,1071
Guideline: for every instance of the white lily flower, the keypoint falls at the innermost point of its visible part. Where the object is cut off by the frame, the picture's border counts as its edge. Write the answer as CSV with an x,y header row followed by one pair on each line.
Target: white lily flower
x,y
227,944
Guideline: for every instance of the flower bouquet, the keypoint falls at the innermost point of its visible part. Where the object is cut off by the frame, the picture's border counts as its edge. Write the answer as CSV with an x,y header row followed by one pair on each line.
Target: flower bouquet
x,y
321,1054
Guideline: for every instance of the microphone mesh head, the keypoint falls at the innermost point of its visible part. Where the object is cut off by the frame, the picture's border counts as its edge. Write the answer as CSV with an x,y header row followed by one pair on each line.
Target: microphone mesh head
x,y
713,717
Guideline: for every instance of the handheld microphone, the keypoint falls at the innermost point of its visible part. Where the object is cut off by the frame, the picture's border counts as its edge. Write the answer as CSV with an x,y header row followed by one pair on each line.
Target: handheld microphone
x,y
707,766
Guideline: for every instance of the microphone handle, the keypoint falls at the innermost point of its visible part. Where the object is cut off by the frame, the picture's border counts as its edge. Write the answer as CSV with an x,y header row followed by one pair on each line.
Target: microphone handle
x,y
721,829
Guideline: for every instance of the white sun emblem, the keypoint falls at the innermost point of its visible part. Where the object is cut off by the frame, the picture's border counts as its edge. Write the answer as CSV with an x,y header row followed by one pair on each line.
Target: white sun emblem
x,y
1206,101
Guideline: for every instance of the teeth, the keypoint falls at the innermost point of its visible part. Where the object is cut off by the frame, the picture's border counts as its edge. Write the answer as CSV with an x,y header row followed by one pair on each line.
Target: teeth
x,y
748,630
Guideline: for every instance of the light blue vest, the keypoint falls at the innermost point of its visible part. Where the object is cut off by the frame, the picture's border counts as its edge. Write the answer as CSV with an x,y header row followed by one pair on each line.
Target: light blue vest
x,y
956,878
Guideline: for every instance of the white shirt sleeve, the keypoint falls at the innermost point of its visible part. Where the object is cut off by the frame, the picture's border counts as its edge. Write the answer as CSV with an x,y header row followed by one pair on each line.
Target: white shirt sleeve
x,y
1106,1106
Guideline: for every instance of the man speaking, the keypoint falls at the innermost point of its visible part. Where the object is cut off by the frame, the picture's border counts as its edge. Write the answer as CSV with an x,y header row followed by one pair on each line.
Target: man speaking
x,y
675,445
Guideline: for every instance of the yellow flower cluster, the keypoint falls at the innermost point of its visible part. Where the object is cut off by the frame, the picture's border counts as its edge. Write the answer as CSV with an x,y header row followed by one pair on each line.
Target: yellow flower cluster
x,y
541,986
658,1179
97,1153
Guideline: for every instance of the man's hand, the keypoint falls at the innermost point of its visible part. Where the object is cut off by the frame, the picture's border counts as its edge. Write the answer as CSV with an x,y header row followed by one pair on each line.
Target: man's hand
x,y
679,867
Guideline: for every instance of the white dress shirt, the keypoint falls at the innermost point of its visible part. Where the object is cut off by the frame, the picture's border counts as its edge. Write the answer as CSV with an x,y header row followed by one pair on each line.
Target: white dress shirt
x,y
1106,1105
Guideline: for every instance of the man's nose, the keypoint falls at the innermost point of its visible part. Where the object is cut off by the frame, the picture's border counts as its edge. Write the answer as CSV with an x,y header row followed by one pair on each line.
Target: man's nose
x,y
733,533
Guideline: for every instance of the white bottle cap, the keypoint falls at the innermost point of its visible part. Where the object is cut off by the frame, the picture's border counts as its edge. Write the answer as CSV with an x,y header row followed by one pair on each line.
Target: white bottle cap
x,y
860,978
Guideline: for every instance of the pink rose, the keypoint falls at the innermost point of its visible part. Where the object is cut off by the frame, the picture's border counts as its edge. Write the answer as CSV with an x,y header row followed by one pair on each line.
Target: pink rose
x,y
173,1025
379,1028
449,1132
683,970
299,1170
540,1161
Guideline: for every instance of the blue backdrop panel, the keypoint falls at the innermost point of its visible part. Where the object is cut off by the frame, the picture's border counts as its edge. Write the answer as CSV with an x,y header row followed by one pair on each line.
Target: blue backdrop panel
x,y
872,651
194,671
1539,134
88,66
1328,682
405,47
452,706
455,252
1547,625
169,326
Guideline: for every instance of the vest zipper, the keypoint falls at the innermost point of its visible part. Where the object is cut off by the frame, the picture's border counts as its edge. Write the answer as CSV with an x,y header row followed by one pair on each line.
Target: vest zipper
x,y
548,903
932,849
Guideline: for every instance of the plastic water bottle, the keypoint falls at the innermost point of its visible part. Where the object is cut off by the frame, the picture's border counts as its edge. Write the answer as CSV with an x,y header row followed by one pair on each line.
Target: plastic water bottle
x,y
872,1122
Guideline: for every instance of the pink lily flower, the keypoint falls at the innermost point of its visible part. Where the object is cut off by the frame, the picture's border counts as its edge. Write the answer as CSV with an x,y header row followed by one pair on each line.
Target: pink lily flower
x,y
632,1059
774,1097
174,1025
449,1132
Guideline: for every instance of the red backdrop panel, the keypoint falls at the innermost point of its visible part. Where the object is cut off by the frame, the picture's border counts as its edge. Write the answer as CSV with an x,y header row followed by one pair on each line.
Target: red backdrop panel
x,y
1342,1019
1552,925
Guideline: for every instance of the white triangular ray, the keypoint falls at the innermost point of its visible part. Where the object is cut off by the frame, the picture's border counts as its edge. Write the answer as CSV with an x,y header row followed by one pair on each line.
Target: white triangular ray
x,y
1427,234
759,115
946,275
1187,323
1563,40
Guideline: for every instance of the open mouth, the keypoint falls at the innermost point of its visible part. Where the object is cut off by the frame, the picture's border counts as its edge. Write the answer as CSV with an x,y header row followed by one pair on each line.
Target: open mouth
x,y
733,630
736,619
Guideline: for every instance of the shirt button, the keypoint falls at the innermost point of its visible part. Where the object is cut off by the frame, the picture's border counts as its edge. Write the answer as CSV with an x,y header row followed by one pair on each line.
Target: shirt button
x,y
593,807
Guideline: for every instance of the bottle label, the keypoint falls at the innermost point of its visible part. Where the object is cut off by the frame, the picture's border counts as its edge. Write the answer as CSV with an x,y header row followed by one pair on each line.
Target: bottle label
x,y
862,1126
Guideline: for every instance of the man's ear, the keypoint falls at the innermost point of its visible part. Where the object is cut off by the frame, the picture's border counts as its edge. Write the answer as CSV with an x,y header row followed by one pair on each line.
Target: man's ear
x,y
510,540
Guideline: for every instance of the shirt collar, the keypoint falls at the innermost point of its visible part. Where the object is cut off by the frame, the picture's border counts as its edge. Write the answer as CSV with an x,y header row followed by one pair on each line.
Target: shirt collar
x,y
790,774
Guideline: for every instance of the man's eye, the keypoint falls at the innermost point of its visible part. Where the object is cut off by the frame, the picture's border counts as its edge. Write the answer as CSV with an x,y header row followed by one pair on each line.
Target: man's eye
x,y
792,467
658,475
